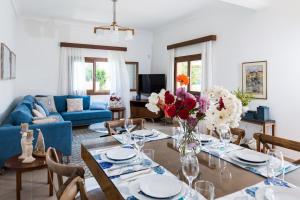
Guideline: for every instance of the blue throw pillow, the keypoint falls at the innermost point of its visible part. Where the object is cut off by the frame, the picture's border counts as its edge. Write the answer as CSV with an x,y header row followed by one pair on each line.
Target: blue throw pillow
x,y
98,106
60,103
30,98
21,114
28,103
44,107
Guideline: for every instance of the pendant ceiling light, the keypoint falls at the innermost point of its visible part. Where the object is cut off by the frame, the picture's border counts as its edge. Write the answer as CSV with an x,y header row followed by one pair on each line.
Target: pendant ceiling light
x,y
114,29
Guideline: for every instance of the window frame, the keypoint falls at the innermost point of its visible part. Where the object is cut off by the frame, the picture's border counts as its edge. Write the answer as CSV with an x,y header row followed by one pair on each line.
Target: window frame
x,y
93,60
188,59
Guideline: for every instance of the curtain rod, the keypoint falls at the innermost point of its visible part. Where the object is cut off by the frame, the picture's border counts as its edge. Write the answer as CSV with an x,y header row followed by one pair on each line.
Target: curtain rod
x,y
192,42
92,46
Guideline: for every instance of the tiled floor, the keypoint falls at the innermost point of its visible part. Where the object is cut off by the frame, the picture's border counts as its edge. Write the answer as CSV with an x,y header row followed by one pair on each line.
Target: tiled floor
x,y
34,184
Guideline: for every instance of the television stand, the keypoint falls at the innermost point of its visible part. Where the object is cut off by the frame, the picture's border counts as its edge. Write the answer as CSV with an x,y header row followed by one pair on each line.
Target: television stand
x,y
138,110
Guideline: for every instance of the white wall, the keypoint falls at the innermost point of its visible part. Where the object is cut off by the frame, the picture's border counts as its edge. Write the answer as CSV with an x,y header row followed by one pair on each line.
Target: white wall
x,y
38,47
271,34
7,36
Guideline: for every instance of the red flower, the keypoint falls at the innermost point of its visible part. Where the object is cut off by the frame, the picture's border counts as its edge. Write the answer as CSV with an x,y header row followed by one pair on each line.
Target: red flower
x,y
221,104
189,103
183,114
178,104
170,111
169,98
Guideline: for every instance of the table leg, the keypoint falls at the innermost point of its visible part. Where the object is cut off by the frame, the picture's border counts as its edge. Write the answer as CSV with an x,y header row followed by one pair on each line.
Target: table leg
x,y
18,184
50,179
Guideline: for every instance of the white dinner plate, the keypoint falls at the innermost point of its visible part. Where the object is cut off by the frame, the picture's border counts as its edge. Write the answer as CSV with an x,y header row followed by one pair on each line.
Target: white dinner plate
x,y
144,132
280,193
121,154
235,158
252,156
160,186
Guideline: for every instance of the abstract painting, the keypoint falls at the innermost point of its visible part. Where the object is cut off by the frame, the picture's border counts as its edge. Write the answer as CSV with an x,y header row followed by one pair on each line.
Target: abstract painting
x,y
255,79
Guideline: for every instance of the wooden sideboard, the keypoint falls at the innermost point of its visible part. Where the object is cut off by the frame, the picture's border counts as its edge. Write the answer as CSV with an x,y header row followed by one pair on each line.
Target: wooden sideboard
x,y
138,110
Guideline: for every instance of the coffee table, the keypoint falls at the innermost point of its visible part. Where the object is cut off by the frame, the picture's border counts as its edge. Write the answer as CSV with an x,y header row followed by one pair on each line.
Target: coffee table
x,y
40,163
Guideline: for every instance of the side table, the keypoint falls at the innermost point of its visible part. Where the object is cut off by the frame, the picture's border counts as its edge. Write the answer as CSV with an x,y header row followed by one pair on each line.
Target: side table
x,y
119,110
40,163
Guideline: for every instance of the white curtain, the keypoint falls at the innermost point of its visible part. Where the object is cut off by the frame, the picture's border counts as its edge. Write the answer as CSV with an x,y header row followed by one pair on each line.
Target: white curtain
x,y
119,78
71,72
207,65
170,74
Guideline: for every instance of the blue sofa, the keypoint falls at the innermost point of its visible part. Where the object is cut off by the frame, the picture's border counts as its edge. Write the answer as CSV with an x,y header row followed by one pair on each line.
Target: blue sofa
x,y
57,134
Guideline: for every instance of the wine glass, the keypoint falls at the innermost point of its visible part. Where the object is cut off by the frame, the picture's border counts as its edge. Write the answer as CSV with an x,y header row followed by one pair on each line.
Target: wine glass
x,y
275,163
225,137
176,136
128,124
139,141
190,169
206,189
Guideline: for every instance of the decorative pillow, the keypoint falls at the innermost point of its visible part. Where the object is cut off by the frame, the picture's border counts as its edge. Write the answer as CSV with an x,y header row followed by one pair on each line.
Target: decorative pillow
x,y
44,120
37,113
98,106
74,105
40,109
44,107
48,103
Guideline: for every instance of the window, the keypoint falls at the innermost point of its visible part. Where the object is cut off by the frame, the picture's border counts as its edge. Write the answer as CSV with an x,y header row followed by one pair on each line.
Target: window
x,y
98,77
191,66
133,72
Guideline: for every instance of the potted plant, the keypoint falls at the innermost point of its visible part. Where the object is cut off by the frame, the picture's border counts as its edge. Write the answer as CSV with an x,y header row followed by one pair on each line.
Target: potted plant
x,y
245,98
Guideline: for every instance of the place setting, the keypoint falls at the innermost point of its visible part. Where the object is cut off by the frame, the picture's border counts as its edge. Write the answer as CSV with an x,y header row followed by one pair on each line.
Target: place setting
x,y
126,137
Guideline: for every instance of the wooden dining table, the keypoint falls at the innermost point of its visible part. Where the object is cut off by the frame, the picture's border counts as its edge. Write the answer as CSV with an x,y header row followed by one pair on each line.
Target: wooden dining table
x,y
226,177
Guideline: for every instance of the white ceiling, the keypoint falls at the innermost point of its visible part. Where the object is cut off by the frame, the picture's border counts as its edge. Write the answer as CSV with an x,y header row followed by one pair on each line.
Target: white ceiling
x,y
146,14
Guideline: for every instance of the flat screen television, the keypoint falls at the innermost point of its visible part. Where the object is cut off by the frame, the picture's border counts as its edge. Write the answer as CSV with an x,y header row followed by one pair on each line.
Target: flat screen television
x,y
149,83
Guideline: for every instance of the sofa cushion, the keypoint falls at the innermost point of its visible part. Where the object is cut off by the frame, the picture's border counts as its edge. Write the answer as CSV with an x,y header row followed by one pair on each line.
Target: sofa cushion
x,y
57,116
44,107
86,114
48,103
98,106
27,103
21,114
30,98
86,100
61,103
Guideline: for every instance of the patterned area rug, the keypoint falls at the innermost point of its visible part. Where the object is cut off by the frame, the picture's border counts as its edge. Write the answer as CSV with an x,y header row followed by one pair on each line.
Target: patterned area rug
x,y
82,133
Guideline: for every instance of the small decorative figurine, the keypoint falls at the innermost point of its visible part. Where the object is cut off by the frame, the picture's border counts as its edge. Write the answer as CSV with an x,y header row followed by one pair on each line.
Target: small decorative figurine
x,y
24,128
28,148
39,149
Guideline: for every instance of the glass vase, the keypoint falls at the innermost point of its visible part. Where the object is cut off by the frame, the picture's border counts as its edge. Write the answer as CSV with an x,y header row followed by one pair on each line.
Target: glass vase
x,y
189,143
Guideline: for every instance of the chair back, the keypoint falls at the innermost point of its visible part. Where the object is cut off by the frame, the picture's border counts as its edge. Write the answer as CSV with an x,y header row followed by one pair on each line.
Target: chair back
x,y
237,132
267,140
75,176
112,125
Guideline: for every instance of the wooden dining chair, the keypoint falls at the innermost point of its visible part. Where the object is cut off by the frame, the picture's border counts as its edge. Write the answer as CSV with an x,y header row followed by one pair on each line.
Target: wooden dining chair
x,y
238,135
75,183
267,140
113,125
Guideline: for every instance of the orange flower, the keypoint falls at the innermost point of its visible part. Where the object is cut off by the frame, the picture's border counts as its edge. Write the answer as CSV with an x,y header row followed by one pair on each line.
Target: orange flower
x,y
183,79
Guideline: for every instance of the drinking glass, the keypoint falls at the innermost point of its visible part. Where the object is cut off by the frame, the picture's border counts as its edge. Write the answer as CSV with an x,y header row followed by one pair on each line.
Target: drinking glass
x,y
275,163
225,137
139,142
190,169
206,189
128,125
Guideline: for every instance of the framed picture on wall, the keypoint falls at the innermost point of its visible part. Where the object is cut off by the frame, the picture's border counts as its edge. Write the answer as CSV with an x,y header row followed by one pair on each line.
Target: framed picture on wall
x,y
255,79
12,65
5,62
